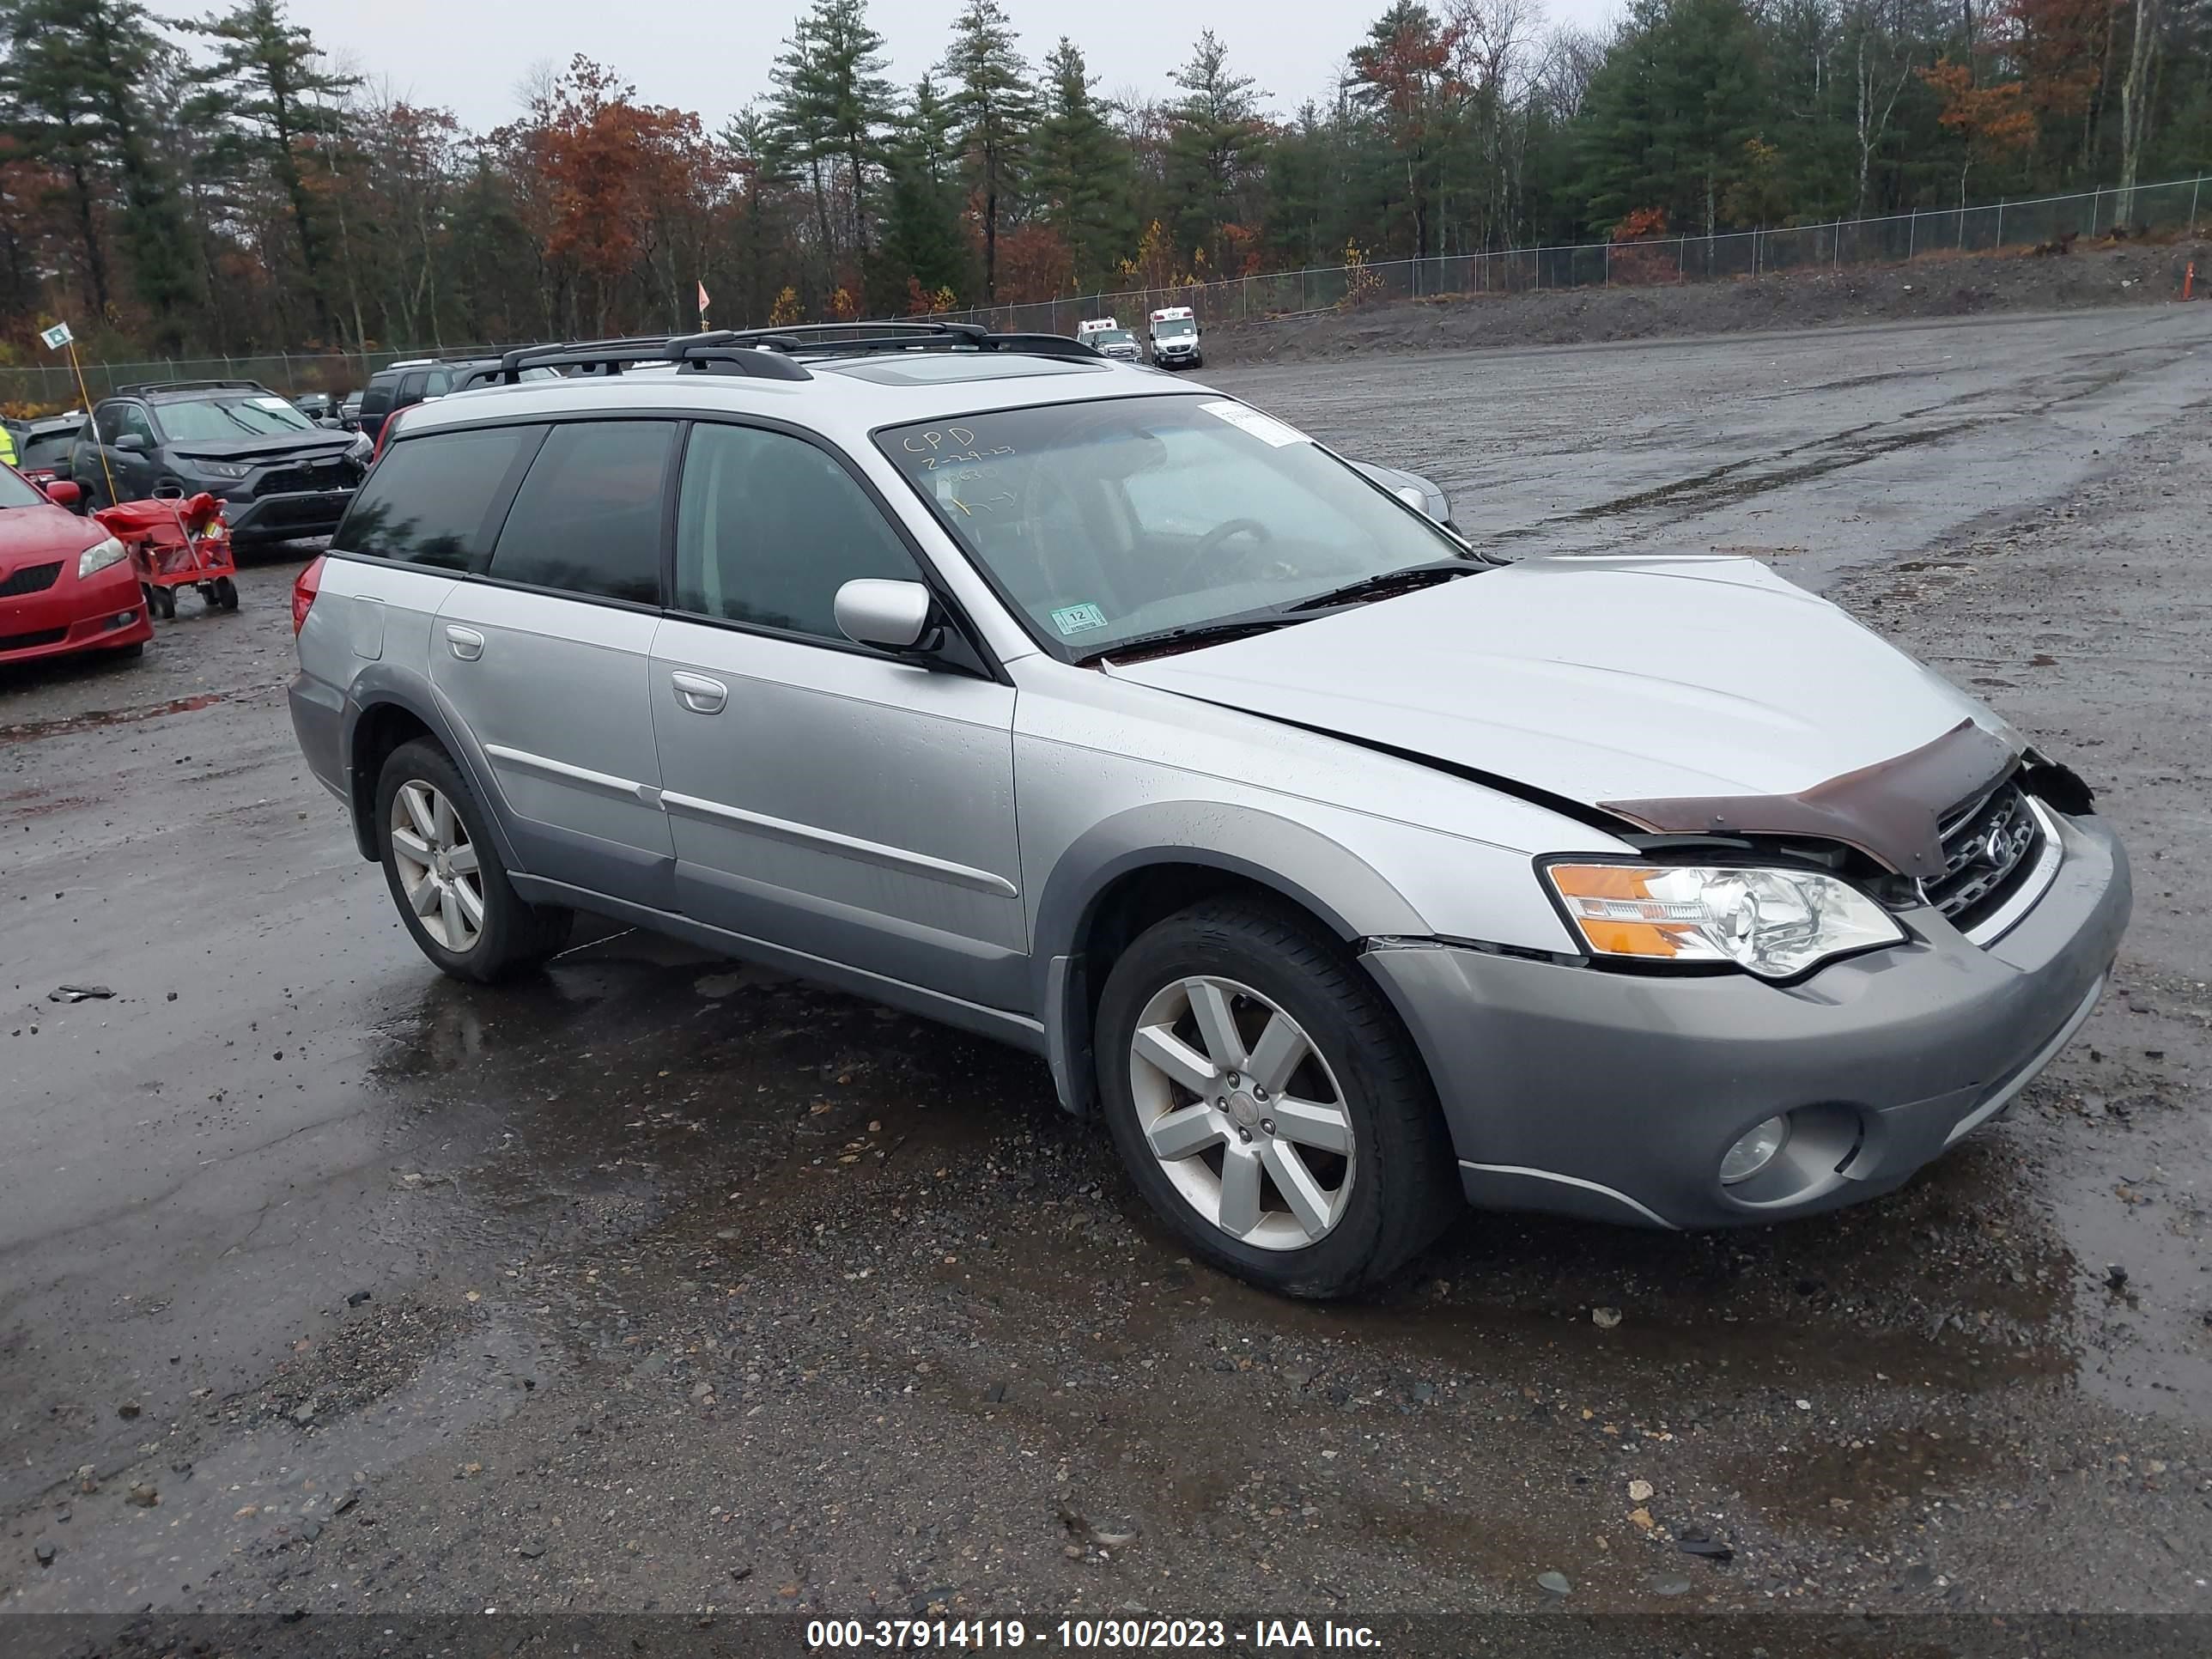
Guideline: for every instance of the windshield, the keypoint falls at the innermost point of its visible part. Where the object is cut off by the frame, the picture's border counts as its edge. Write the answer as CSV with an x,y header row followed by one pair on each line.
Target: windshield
x,y
1106,521
1113,336
1175,328
14,492
214,420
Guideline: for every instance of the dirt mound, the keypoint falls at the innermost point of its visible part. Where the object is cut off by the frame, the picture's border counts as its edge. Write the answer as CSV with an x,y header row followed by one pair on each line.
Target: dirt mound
x,y
1937,286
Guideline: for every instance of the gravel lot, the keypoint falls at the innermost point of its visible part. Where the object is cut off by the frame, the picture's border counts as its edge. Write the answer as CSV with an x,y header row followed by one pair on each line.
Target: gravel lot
x,y
662,1283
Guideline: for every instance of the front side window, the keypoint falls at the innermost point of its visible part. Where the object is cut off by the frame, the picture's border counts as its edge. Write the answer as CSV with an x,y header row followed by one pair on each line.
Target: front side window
x,y
229,416
1104,522
430,500
768,528
587,518
122,420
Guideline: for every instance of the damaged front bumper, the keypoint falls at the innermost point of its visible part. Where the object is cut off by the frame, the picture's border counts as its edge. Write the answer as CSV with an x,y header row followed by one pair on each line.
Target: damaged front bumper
x,y
1615,1094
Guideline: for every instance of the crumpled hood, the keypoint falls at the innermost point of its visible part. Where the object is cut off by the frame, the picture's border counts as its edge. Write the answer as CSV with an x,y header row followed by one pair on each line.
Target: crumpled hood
x,y
1600,680
285,446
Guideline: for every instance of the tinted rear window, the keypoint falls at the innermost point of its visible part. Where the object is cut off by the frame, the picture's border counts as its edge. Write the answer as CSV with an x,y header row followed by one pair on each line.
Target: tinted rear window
x,y
430,499
587,517
45,450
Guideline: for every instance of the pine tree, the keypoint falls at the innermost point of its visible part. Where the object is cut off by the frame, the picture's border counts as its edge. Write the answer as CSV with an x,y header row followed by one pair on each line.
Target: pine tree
x,y
1669,112
922,237
270,81
1082,173
103,50
1216,143
833,103
992,103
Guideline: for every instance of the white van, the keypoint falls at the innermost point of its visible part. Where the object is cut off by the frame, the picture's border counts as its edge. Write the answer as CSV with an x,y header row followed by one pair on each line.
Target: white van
x,y
1174,339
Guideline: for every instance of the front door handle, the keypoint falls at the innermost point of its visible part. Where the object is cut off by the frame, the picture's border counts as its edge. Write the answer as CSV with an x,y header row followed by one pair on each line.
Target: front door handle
x,y
699,694
464,642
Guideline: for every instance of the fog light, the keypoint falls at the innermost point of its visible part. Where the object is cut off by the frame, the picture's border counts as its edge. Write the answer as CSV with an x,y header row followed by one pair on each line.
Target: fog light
x,y
1754,1152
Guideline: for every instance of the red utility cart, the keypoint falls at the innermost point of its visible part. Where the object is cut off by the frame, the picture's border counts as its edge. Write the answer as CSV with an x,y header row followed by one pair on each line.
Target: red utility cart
x,y
177,544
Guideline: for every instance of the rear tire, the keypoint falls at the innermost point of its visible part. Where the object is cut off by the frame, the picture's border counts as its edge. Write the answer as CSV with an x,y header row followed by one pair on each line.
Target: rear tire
x,y
1321,1131
446,877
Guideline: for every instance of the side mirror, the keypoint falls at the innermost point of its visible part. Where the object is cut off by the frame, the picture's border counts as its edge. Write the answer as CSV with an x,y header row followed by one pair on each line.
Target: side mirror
x,y
129,444
62,493
889,615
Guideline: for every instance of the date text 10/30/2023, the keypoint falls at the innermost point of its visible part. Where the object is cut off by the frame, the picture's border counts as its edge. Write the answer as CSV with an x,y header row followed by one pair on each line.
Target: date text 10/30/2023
x,y
1086,1635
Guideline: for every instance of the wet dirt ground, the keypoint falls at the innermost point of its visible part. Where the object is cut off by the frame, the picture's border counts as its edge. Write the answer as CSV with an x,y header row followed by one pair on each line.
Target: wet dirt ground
x,y
662,1283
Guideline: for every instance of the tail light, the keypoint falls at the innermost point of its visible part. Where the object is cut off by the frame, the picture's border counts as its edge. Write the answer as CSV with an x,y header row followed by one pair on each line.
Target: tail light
x,y
305,587
384,434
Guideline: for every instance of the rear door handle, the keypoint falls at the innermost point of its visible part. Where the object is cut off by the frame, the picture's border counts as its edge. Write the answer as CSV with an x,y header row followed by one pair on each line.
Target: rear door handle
x,y
699,694
464,642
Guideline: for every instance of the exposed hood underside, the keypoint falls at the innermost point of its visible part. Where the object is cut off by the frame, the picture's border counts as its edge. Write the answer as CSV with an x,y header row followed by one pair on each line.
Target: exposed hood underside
x,y
1685,696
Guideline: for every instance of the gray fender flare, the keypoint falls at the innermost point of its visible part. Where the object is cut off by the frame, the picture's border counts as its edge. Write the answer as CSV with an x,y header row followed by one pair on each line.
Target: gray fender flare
x,y
381,685
1334,884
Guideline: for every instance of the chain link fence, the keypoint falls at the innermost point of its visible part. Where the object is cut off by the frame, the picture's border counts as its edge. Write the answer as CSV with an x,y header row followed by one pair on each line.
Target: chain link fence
x,y
2172,207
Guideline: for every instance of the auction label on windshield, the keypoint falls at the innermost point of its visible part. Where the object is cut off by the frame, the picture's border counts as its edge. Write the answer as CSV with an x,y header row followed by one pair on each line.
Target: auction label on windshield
x,y
1265,427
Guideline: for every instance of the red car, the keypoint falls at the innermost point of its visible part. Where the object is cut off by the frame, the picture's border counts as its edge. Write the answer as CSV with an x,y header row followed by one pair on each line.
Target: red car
x,y
65,584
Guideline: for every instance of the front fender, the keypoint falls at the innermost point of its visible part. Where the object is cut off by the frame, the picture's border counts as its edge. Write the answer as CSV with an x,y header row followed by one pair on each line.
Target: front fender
x,y
1348,895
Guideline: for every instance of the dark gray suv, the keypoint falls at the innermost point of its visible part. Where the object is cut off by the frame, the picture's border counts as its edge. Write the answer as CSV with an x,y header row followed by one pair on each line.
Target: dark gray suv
x,y
278,475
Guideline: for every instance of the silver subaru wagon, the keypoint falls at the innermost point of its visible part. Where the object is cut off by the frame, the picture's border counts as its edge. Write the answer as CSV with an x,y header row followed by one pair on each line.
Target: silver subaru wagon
x,y
1350,874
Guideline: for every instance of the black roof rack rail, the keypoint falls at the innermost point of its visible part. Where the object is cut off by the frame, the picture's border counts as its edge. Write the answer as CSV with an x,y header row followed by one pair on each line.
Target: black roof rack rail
x,y
766,353
140,388
693,351
841,338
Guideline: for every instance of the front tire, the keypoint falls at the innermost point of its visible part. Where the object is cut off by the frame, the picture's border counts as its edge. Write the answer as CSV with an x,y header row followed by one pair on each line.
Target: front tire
x,y
445,874
1268,1103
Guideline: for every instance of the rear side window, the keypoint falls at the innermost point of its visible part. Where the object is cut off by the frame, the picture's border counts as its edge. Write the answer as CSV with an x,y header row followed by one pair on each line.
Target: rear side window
x,y
587,518
431,500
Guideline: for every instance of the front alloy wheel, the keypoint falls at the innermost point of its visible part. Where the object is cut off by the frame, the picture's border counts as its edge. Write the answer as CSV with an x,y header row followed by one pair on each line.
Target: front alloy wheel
x,y
1267,1102
436,863
1242,1114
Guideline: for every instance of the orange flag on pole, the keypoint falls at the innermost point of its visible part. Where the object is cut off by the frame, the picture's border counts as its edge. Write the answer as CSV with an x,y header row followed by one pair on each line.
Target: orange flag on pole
x,y
703,305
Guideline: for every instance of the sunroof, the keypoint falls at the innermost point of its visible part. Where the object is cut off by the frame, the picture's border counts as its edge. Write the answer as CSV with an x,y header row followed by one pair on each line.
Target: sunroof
x,y
935,368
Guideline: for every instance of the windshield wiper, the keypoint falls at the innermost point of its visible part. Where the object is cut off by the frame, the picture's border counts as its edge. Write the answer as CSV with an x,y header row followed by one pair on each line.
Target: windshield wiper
x,y
1195,632
1385,583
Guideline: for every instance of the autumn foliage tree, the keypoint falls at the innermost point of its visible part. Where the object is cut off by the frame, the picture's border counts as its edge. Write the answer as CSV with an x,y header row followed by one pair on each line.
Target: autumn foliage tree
x,y
1991,121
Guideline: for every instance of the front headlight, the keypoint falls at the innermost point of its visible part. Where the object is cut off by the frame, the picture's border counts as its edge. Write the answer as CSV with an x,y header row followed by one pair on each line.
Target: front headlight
x,y
1776,923
98,557
362,447
220,469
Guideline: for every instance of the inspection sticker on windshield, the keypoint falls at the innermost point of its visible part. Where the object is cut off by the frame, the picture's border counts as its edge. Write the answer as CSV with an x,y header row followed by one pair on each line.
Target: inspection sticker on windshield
x,y
1076,617
271,403
1265,428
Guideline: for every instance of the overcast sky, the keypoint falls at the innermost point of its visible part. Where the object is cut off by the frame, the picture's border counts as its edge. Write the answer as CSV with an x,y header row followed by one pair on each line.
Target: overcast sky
x,y
469,55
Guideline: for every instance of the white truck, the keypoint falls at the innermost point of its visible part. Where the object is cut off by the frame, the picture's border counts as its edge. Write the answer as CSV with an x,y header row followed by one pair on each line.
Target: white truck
x,y
1174,339
1108,337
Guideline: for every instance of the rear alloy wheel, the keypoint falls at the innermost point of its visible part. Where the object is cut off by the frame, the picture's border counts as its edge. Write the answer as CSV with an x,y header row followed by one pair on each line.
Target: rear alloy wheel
x,y
1267,1102
445,876
440,874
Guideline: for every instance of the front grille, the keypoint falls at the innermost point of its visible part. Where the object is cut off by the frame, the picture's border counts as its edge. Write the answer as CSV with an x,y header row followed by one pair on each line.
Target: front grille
x,y
32,641
336,473
31,579
1989,848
